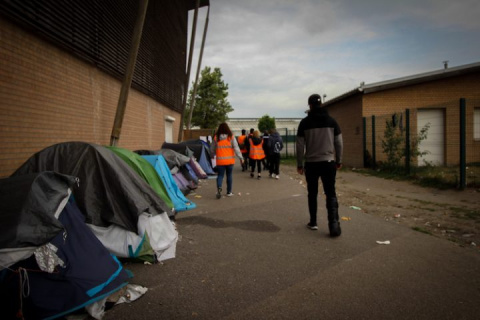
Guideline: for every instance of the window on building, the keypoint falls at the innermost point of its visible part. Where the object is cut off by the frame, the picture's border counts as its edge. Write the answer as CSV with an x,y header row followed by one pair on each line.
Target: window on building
x,y
476,123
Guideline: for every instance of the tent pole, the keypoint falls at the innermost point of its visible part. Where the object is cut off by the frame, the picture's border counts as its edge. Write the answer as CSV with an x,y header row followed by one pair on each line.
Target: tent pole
x,y
187,78
198,71
132,59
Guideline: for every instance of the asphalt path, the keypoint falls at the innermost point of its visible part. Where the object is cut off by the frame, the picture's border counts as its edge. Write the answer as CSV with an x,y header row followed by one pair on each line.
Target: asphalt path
x,y
251,256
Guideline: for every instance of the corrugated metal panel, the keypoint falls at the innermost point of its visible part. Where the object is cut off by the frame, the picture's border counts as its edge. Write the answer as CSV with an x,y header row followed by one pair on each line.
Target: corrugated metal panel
x,y
100,31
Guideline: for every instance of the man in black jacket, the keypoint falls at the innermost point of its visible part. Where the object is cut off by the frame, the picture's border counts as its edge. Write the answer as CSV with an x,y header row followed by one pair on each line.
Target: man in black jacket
x,y
319,154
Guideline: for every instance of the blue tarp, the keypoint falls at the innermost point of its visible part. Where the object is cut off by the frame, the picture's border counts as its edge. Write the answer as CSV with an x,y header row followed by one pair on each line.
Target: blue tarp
x,y
180,202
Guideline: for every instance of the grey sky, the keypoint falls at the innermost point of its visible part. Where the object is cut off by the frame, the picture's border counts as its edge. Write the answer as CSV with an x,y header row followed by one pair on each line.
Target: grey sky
x,y
274,53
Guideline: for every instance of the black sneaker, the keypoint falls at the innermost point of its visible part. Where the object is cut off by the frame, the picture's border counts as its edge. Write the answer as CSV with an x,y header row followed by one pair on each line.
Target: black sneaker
x,y
312,226
219,193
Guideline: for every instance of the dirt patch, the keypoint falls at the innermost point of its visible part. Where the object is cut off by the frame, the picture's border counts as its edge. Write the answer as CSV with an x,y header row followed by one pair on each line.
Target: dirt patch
x,y
448,214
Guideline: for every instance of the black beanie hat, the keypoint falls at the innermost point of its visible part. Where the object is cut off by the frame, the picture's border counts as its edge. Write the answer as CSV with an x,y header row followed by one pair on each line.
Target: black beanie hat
x,y
314,100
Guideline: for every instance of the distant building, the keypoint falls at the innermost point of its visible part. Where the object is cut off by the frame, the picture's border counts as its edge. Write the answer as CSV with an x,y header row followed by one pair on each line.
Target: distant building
x,y
282,124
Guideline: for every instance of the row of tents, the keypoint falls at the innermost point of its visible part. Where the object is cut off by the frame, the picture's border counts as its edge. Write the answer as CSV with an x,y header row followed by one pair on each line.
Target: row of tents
x,y
72,210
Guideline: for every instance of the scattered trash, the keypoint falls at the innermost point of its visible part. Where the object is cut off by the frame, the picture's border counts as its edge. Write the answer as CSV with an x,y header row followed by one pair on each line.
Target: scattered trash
x,y
397,215
346,218
147,263
467,235
473,244
198,196
240,194
355,208
383,242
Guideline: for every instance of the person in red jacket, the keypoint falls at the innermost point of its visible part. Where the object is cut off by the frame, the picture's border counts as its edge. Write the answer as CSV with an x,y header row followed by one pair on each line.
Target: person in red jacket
x,y
225,147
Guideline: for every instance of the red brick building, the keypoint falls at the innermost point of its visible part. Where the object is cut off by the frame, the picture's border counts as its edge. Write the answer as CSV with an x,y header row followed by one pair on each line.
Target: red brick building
x,y
432,98
62,64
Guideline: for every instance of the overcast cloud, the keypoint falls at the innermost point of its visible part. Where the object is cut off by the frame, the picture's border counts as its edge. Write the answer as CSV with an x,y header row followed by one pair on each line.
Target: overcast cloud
x,y
275,53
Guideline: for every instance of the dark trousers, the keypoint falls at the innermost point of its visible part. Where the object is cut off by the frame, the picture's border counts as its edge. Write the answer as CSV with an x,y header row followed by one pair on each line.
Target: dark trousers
x,y
275,164
258,163
326,171
245,161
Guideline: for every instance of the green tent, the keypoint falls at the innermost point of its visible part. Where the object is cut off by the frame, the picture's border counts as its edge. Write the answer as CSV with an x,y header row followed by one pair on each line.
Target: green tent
x,y
146,171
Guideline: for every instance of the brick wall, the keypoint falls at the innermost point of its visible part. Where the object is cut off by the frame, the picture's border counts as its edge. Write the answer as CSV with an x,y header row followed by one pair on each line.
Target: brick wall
x,y
48,96
348,114
439,94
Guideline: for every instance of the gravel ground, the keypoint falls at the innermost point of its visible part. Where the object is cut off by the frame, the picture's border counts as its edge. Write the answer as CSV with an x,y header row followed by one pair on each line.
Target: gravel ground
x,y
449,214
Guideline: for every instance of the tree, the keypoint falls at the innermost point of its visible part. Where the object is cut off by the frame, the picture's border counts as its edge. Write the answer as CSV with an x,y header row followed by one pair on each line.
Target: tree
x,y
393,144
266,123
211,105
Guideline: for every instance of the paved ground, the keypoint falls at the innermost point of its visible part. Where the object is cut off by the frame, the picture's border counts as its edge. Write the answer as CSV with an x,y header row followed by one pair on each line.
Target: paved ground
x,y
251,257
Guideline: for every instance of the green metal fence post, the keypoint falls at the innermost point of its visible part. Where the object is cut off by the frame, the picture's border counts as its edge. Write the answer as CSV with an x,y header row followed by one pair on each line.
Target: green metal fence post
x,y
374,156
365,142
407,141
463,157
286,142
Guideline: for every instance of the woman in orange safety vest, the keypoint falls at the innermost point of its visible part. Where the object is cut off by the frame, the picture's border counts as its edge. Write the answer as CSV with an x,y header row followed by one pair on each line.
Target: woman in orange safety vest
x,y
256,153
242,141
225,147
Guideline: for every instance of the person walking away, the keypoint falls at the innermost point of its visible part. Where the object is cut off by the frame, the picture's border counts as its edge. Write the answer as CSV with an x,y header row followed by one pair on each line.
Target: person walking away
x,y
275,146
319,148
225,147
266,160
256,153
242,141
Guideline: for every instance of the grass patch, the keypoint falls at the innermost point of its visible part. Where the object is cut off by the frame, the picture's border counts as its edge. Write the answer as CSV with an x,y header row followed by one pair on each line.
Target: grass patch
x,y
442,178
290,161
466,214
422,230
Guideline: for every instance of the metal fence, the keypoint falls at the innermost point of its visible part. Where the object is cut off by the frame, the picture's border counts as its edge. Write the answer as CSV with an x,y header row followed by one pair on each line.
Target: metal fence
x,y
442,138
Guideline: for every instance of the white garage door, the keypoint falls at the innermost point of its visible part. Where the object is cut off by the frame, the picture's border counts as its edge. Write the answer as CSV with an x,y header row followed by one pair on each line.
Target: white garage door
x,y
435,141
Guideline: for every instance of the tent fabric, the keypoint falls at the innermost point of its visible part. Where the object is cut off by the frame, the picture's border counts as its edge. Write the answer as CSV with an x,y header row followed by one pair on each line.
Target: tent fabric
x,y
83,272
182,182
123,243
109,191
148,173
173,158
147,245
29,210
180,202
200,151
197,168
187,171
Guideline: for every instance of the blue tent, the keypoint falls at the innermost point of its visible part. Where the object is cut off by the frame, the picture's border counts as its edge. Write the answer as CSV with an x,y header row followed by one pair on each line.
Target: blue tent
x,y
180,202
